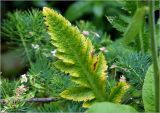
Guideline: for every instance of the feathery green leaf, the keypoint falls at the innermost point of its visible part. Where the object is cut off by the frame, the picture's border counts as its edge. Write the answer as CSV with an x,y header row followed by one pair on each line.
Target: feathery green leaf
x,y
76,57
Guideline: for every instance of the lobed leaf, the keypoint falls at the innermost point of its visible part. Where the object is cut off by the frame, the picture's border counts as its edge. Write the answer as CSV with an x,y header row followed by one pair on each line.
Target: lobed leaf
x,y
78,94
76,57
117,92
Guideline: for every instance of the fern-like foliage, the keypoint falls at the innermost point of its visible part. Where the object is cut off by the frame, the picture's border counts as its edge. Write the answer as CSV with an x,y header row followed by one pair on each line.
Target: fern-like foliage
x,y
59,106
46,80
76,57
136,65
119,22
28,24
7,87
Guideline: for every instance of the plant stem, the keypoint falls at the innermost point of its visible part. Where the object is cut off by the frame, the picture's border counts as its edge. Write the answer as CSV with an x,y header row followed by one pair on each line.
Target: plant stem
x,y
154,54
141,40
141,32
26,50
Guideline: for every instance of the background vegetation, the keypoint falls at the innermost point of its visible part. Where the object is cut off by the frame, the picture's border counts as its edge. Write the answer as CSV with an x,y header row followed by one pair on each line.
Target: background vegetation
x,y
118,29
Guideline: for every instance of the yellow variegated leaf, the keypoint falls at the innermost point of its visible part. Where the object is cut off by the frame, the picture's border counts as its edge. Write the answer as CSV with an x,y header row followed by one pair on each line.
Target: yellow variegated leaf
x,y
87,104
78,94
76,57
117,92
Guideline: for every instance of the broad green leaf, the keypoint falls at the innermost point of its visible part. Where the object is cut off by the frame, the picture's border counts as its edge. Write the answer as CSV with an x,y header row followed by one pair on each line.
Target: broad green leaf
x,y
148,91
107,107
135,25
76,57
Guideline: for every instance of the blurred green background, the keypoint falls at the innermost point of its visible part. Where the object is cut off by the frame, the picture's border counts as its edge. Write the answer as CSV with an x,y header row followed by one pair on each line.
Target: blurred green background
x,y
74,11
94,12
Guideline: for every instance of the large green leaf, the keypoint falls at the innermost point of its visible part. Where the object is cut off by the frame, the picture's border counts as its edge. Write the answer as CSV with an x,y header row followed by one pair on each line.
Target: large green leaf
x,y
148,91
107,107
76,57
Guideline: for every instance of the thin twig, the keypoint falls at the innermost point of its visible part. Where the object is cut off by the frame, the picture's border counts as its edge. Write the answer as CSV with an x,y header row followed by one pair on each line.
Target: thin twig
x,y
32,100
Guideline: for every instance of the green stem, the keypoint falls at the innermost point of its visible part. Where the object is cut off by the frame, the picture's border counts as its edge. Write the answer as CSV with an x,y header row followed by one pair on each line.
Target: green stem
x,y
141,39
141,32
154,54
26,50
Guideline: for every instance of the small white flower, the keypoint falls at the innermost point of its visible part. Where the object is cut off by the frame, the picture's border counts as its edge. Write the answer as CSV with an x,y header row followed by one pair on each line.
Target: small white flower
x,y
23,78
30,33
113,66
85,33
54,52
35,46
97,35
122,78
20,90
103,49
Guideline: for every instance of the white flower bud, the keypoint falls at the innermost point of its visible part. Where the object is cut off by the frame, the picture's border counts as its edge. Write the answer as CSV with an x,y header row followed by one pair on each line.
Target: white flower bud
x,y
97,35
103,49
122,78
113,66
35,46
54,52
85,33
23,78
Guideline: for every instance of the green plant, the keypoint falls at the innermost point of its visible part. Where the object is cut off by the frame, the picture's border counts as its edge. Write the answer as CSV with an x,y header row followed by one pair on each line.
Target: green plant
x,y
28,24
78,9
86,69
154,54
148,91
7,87
68,70
98,39
134,66
26,29
151,99
83,66
46,80
132,25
